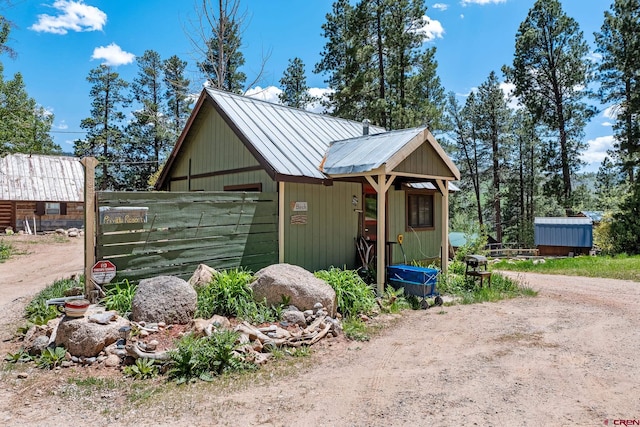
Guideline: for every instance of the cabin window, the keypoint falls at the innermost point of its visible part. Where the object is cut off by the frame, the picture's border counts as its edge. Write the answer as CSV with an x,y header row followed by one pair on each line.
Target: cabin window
x,y
420,211
244,187
52,208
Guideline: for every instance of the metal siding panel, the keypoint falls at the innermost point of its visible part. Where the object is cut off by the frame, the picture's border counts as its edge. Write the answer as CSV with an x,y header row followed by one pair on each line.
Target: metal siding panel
x,y
570,235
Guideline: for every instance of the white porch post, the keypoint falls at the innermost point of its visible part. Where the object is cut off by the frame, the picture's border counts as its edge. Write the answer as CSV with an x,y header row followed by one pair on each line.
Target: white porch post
x,y
281,221
444,189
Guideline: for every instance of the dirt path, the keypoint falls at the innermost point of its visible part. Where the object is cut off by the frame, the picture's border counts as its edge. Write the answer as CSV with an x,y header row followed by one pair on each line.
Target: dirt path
x,y
567,357
40,261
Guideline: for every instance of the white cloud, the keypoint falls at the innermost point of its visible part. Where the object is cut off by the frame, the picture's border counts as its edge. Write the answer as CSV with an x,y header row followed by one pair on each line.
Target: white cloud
x,y
606,124
597,150
611,112
482,2
113,55
269,93
322,94
432,29
72,16
440,6
62,125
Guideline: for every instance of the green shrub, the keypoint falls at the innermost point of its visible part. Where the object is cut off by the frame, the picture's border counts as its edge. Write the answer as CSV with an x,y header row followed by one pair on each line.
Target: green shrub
x,y
51,357
206,357
143,369
20,356
353,294
37,311
393,300
119,297
228,294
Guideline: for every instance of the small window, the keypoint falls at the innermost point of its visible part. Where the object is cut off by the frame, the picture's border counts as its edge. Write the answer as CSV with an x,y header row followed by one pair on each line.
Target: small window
x,y
257,187
52,209
420,211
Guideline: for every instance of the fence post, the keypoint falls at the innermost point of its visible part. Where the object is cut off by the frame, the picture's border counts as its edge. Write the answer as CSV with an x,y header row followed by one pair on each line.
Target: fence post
x,y
89,164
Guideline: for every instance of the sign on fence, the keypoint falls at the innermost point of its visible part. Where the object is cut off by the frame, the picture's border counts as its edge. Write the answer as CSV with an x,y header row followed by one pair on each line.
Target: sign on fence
x,y
103,272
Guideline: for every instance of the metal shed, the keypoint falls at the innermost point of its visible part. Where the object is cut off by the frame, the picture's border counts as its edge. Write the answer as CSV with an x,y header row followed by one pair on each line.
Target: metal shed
x,y
563,236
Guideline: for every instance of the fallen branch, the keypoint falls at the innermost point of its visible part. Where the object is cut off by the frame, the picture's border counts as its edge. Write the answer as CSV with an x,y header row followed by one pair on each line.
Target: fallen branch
x,y
134,351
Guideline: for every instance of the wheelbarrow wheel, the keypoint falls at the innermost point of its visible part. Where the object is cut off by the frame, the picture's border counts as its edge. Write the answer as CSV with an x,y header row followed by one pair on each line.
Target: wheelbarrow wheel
x,y
439,301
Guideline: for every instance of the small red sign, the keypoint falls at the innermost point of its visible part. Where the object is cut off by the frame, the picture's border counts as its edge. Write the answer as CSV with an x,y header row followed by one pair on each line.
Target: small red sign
x,y
103,271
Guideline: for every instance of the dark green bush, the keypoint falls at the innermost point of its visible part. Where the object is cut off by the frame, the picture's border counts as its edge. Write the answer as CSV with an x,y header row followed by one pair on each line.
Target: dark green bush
x,y
353,294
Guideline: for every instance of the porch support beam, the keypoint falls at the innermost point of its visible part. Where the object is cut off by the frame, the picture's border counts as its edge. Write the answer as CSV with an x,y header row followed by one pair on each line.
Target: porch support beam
x,y
444,190
281,221
381,188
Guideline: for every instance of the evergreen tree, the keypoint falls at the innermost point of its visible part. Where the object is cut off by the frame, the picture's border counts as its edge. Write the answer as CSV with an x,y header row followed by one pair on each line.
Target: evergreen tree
x,y
550,72
626,224
426,98
472,160
374,61
342,61
24,126
619,78
177,94
148,134
105,137
295,92
493,118
5,29
610,186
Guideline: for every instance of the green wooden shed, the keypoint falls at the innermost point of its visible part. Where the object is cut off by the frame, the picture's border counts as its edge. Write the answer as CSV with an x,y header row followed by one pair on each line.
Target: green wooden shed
x,y
336,180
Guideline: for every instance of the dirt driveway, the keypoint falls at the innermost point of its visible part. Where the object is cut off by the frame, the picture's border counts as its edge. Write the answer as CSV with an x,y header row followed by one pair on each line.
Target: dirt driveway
x,y
568,357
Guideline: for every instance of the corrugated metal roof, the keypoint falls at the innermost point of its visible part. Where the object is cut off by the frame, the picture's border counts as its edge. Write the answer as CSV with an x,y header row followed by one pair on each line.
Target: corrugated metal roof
x,y
563,220
34,177
431,186
596,216
292,141
366,153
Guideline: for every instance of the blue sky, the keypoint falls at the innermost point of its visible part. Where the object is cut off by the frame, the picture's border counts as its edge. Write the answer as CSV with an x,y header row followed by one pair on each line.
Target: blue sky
x,y
59,41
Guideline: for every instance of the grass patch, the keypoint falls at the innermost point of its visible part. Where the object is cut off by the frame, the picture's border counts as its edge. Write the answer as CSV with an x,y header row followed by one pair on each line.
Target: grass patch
x,y
355,329
468,291
353,294
6,250
621,267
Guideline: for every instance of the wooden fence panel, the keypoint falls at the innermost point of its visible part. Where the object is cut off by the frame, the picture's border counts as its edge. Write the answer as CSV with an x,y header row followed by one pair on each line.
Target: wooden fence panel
x,y
150,234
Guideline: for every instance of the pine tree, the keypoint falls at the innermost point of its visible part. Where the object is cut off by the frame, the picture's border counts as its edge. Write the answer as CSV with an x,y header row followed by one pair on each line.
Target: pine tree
x,y
24,126
295,92
494,117
619,78
177,94
105,137
148,135
550,72
426,98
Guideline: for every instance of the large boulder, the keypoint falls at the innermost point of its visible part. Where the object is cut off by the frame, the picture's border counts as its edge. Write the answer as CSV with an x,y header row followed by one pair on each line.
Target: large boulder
x,y
294,284
164,299
83,338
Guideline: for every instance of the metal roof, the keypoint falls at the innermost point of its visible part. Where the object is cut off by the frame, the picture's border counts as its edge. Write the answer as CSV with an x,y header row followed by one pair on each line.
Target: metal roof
x,y
563,221
431,186
292,141
366,153
25,177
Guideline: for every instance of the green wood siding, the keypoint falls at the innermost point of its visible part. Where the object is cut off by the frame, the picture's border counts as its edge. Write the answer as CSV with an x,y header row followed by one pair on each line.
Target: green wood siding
x,y
328,237
213,147
425,160
417,245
